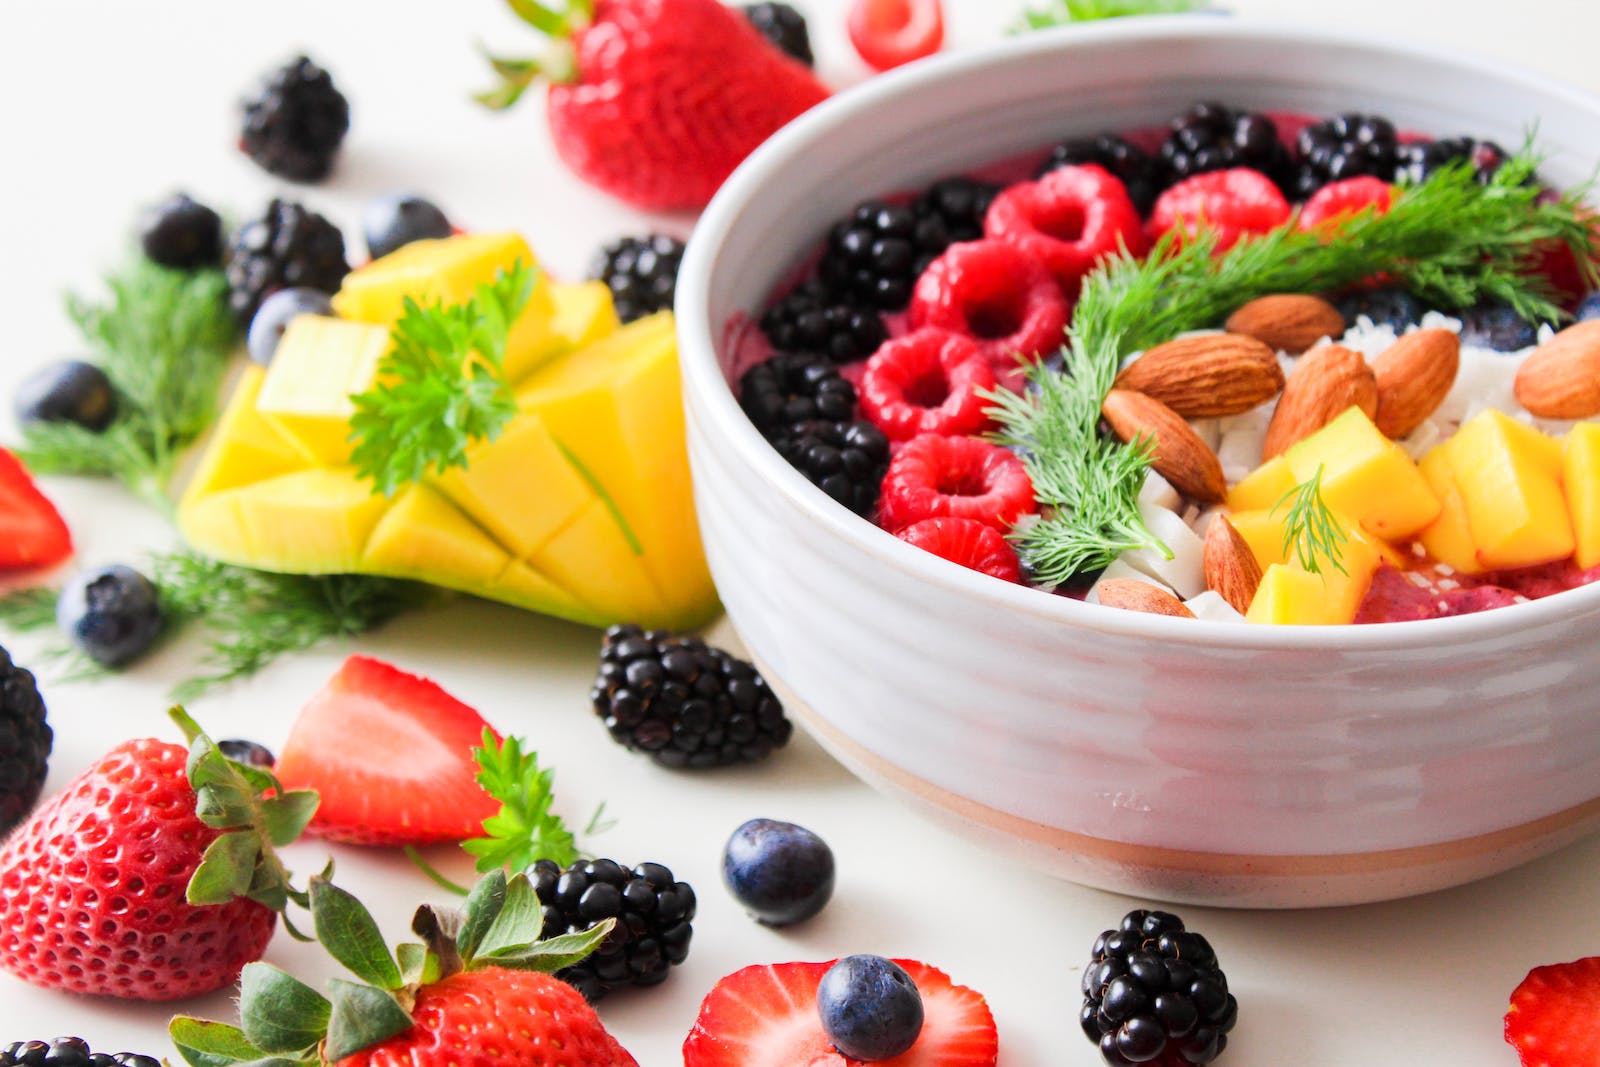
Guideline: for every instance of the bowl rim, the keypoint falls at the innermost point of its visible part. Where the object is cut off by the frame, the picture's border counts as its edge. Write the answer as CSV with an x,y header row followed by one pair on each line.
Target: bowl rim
x,y
705,384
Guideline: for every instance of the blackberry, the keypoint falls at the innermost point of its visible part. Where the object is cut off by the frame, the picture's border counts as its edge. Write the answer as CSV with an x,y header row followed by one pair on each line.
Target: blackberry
x,y
654,914
846,460
810,319
874,255
25,740
295,122
684,703
68,1052
1212,136
1153,987
1497,326
959,204
1141,174
1388,306
794,387
784,27
1345,146
288,247
1417,162
641,272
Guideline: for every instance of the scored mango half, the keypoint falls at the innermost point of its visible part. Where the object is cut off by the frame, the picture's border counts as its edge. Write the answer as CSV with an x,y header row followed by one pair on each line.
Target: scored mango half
x,y
580,507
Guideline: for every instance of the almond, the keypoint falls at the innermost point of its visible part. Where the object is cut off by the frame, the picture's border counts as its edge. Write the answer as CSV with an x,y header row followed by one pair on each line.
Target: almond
x,y
1202,377
1326,381
1231,568
1287,322
1179,456
1561,378
1414,375
1131,594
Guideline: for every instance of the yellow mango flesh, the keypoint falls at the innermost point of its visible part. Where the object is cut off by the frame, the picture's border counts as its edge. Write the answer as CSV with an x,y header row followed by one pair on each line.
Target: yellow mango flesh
x,y
1581,481
1514,503
1262,487
1448,538
1329,597
1289,596
581,508
305,395
1366,476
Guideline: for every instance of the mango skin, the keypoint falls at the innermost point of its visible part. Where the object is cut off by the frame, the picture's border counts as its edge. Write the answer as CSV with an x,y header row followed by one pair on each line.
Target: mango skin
x,y
1366,476
581,509
1508,474
1581,481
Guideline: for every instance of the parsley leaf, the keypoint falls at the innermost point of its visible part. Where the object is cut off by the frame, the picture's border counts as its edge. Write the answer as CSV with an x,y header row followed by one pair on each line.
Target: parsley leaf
x,y
440,387
524,829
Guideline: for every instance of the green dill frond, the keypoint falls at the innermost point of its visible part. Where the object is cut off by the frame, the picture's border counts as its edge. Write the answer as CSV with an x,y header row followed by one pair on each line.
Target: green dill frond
x,y
1312,532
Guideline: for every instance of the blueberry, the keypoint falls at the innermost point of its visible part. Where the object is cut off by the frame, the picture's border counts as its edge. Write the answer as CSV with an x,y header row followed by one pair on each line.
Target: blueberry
x,y
247,752
69,391
398,219
1388,306
111,614
870,1008
182,234
1497,326
780,872
1589,307
274,316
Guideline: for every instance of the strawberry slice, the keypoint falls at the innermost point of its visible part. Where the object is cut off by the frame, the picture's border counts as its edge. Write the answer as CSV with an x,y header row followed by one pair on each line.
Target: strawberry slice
x,y
1552,1020
766,1016
32,532
391,755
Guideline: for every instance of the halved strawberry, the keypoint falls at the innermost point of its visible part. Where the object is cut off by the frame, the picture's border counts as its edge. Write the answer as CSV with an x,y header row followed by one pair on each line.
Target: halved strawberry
x,y
888,33
1554,1019
1233,203
32,531
391,755
766,1016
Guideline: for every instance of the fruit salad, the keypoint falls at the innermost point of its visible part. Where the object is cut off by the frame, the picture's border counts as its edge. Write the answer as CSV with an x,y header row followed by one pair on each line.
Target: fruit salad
x,y
1259,367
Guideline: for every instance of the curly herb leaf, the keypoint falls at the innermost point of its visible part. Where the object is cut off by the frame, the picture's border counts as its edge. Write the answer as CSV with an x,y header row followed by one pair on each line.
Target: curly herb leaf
x,y
524,829
440,387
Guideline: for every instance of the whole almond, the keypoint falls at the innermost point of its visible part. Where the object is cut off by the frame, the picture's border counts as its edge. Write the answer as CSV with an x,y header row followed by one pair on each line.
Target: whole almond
x,y
1413,376
1561,378
1287,322
1131,594
1231,569
1326,381
1180,456
1206,376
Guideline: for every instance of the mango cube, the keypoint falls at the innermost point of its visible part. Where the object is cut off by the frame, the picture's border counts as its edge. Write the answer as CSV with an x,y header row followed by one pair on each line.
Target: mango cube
x,y
314,521
247,447
1337,596
1581,479
1448,538
1289,596
320,362
423,533
1366,476
1513,500
1263,487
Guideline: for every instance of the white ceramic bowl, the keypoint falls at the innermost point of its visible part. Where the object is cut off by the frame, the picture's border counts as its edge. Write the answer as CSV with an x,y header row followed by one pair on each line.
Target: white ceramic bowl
x,y
1213,763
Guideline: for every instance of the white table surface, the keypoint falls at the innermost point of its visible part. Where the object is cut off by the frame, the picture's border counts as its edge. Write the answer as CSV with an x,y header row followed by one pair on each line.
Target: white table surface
x,y
109,106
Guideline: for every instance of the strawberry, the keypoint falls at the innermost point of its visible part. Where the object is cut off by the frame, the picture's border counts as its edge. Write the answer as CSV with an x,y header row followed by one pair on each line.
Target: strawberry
x,y
1070,220
1231,203
1553,1017
113,887
973,544
437,1004
392,756
1339,200
659,99
766,1016
32,532
961,476
928,381
889,33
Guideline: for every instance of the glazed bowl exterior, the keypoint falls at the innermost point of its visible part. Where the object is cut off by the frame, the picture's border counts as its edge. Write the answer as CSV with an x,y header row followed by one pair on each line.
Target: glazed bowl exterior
x,y
1204,762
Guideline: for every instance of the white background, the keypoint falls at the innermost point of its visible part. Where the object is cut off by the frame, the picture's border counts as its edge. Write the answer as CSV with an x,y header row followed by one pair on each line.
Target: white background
x,y
108,106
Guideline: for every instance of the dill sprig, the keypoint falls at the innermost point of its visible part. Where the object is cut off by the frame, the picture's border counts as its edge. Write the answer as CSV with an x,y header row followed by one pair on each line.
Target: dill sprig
x,y
441,386
1312,532
1064,12
163,339
1450,240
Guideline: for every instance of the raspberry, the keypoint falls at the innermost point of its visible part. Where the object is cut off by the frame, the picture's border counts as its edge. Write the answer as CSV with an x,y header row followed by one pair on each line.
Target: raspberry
x,y
1333,203
968,542
1230,203
960,476
997,294
1069,220
927,382
1141,175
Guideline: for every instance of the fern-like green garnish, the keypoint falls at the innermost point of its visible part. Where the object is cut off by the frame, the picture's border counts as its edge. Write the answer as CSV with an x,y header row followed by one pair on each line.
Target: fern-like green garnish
x,y
440,387
1064,12
1449,240
524,829
163,339
1312,532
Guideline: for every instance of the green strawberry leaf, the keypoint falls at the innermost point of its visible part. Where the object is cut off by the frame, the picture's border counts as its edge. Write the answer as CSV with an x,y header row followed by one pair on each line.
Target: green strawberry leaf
x,y
285,816
418,966
226,869
203,1043
362,1016
347,930
480,911
518,924
280,1013
553,954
